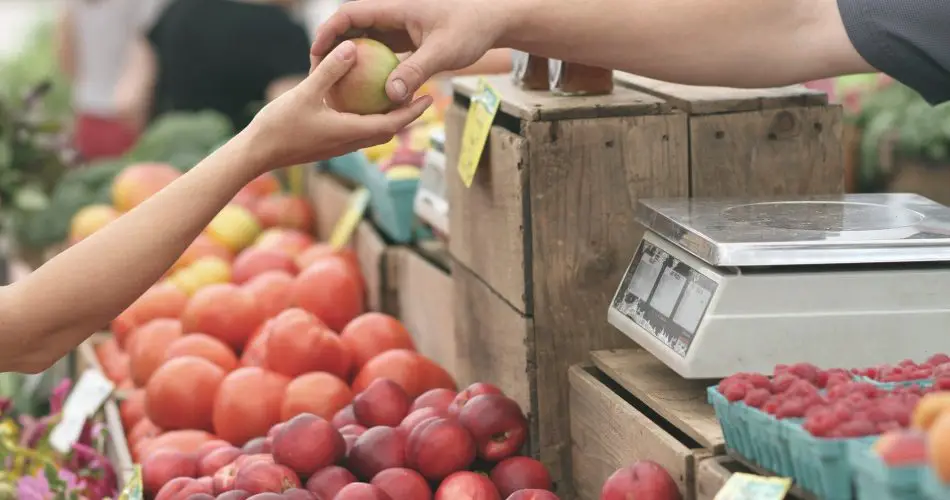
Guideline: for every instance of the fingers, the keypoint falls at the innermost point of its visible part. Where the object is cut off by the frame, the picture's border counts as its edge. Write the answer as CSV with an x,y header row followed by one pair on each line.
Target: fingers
x,y
390,123
433,56
332,67
347,22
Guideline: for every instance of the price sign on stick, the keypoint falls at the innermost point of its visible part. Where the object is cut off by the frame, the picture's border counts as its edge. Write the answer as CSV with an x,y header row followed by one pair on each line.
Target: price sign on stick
x,y
481,113
741,486
355,209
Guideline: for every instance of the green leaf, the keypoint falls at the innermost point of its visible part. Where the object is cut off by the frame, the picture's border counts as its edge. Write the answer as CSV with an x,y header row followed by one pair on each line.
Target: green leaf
x,y
30,199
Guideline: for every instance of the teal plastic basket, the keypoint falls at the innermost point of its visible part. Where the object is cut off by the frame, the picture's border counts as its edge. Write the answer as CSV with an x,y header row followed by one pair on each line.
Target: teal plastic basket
x,y
890,386
821,466
351,166
391,204
875,480
933,487
733,429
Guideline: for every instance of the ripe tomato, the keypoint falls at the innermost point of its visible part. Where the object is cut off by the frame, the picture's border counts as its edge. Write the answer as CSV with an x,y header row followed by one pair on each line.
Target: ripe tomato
x,y
248,404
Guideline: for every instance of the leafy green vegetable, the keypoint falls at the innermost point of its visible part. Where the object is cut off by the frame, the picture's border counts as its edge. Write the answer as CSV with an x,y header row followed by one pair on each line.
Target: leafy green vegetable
x,y
182,139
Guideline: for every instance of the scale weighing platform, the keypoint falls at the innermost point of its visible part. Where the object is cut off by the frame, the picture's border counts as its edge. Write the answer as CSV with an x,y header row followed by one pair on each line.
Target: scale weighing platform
x,y
724,286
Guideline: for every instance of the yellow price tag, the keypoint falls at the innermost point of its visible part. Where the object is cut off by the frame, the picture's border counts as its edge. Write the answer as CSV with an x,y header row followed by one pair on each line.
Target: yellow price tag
x,y
481,113
741,486
133,490
355,209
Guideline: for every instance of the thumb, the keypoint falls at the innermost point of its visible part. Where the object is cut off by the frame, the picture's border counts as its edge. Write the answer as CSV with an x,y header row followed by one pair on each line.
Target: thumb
x,y
329,70
433,56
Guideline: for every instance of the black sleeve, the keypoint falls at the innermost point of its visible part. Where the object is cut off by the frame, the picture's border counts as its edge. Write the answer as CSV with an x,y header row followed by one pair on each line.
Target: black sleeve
x,y
906,39
290,52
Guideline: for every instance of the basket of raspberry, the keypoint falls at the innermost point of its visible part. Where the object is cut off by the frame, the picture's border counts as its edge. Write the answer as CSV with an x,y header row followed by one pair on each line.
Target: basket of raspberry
x,y
800,424
934,371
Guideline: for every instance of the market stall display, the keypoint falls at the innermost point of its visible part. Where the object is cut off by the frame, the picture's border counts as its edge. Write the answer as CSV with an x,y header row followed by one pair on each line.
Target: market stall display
x,y
539,237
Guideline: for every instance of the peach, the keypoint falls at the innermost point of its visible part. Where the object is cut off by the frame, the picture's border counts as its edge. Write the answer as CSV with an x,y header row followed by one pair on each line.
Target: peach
x,y
643,479
363,89
532,494
262,185
182,487
224,311
383,402
308,443
210,446
929,408
203,246
476,389
298,494
255,261
520,473
235,227
415,418
325,484
216,459
939,444
90,219
361,491
257,446
344,417
137,183
289,241
404,484
439,448
234,495
163,466
467,486
378,449
320,393
299,343
271,290
280,210
262,477
497,424
353,430
899,448
223,480
435,398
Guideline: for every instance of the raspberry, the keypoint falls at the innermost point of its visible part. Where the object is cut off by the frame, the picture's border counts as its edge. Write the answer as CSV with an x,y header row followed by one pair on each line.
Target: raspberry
x,y
756,397
759,381
820,425
886,426
801,388
909,363
736,391
782,382
942,384
792,408
856,428
780,369
806,371
771,406
938,359
836,379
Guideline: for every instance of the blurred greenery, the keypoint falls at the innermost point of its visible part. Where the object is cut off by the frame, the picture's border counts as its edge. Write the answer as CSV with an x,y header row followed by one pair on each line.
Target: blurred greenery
x,y
37,63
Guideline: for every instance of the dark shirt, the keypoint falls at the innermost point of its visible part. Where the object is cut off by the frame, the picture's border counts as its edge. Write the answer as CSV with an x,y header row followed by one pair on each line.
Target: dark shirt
x,y
222,55
906,39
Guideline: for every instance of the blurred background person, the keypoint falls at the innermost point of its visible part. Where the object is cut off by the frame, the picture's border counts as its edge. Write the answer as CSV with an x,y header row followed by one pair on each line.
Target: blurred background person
x,y
229,56
93,38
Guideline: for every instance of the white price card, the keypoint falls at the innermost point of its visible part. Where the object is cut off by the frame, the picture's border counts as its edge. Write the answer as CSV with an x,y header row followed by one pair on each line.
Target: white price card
x,y
742,486
668,291
644,276
692,306
67,432
90,392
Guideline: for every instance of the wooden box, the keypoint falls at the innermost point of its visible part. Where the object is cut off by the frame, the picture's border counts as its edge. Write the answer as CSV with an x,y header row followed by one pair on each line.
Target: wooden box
x,y
329,196
712,475
541,239
425,302
758,142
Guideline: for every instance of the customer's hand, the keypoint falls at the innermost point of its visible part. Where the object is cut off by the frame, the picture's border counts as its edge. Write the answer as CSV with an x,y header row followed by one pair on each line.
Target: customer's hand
x,y
445,35
298,127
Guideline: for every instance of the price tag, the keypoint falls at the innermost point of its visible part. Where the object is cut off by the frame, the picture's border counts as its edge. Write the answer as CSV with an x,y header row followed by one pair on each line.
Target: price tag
x,y
90,392
741,486
668,291
355,209
67,432
481,113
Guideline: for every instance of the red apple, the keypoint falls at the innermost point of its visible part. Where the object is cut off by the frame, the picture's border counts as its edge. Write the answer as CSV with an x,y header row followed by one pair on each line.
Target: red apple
x,y
378,449
417,417
467,486
476,389
280,210
440,448
344,417
435,398
325,484
262,477
233,495
298,494
255,261
520,473
257,446
644,480
532,494
214,461
383,402
405,484
497,424
308,443
361,491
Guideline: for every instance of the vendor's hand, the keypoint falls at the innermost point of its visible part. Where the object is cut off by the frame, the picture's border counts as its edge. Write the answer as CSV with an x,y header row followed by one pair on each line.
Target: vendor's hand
x,y
445,35
299,127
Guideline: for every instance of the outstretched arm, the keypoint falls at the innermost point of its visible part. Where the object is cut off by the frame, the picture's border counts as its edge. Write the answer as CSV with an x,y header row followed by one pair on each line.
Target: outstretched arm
x,y
55,308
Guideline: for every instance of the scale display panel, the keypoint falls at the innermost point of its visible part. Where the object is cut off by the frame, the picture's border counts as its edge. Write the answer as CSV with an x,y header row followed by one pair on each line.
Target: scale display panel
x,y
664,296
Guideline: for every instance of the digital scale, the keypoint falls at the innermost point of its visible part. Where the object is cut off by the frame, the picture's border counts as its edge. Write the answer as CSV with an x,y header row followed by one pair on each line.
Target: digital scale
x,y
430,204
723,286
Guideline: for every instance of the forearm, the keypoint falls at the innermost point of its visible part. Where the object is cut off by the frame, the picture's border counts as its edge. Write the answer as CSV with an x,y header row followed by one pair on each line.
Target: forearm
x,y
60,304
738,43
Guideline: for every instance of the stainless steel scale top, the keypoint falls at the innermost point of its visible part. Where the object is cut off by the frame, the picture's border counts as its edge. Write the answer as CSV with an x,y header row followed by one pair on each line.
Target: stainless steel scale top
x,y
813,230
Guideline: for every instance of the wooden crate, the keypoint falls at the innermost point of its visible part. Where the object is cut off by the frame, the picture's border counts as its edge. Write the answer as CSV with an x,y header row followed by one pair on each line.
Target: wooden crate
x,y
612,428
117,448
712,474
542,238
329,196
425,302
760,142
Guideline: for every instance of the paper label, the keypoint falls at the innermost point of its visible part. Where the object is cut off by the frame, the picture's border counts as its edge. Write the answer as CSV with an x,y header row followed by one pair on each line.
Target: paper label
x,y
90,392
67,432
345,227
741,486
481,114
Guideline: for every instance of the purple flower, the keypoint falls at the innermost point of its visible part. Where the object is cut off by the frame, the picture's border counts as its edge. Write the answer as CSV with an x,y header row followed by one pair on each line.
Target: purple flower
x,y
5,405
58,398
33,488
